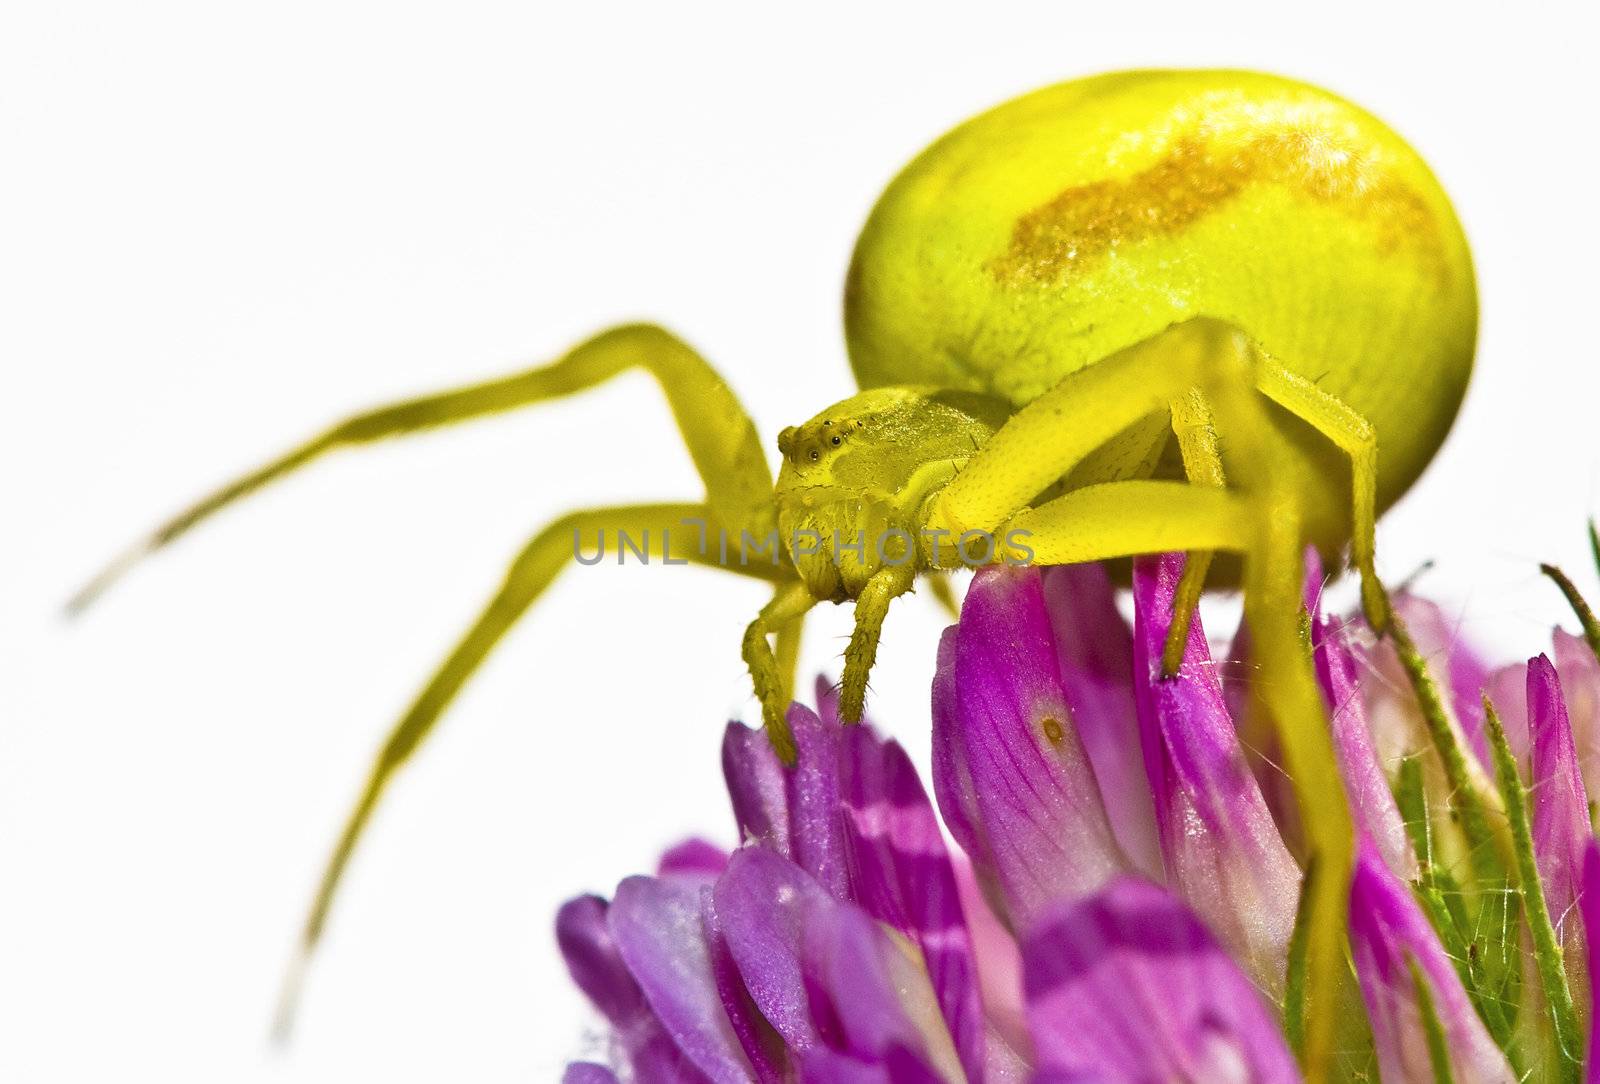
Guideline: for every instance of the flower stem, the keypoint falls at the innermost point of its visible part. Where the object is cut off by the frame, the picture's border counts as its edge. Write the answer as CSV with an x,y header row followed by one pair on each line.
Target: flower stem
x,y
1591,626
1466,778
1438,1045
1546,948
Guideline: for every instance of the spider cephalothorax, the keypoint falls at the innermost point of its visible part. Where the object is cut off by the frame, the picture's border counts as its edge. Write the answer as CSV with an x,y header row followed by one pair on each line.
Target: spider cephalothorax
x,y
855,480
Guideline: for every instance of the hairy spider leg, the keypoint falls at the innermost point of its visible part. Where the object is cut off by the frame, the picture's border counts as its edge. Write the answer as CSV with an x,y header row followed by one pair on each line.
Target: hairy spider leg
x,y
1196,430
726,451
1261,519
659,526
772,673
720,437
872,608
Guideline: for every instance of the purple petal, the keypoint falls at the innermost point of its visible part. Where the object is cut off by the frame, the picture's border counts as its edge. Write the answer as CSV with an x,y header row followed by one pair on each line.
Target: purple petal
x,y
1372,802
813,786
1589,907
868,995
792,810
761,903
760,1042
587,1072
900,873
757,786
1012,777
1094,647
1388,934
1224,854
1128,985
586,942
1560,806
659,934
693,860
896,1066
819,969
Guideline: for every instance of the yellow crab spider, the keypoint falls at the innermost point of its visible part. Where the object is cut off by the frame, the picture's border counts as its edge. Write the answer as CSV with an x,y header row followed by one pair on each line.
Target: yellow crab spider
x,y
1140,312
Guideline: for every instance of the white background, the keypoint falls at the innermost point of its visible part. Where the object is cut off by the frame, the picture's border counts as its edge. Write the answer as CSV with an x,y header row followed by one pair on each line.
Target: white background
x,y
223,226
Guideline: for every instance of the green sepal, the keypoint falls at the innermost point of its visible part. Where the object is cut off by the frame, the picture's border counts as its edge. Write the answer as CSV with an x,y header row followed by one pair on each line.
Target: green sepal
x,y
1432,1030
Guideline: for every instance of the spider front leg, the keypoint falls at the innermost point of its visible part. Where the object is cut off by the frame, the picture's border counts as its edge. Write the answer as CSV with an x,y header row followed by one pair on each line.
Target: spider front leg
x,y
872,607
719,435
1354,435
1196,431
771,673
663,532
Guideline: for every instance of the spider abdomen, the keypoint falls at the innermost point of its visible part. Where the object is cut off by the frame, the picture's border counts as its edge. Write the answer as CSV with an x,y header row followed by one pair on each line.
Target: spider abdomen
x,y
1065,225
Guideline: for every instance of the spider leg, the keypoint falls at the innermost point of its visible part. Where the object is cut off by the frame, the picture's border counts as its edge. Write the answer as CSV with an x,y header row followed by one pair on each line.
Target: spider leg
x,y
774,686
719,434
786,654
720,438
1196,431
872,607
659,529
1124,519
1354,435
944,594
1060,433
1260,517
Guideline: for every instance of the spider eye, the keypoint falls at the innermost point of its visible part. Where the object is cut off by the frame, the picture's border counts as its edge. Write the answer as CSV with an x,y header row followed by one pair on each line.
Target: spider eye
x,y
815,455
837,441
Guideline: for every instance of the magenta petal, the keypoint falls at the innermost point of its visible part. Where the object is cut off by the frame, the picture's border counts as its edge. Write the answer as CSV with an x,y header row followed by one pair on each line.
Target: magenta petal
x,y
1372,802
1589,907
1560,805
659,934
587,1072
584,936
757,786
693,860
1580,682
900,873
1388,934
1128,985
1012,778
952,780
1095,648
999,975
1224,853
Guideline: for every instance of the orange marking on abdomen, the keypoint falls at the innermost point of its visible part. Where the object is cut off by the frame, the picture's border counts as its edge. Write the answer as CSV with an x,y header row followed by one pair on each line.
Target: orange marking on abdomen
x,y
1196,178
